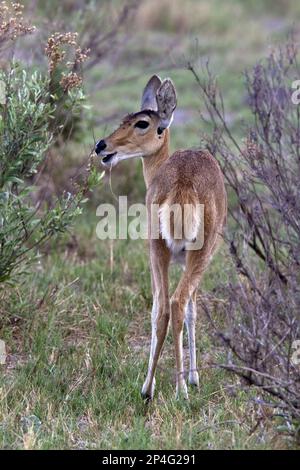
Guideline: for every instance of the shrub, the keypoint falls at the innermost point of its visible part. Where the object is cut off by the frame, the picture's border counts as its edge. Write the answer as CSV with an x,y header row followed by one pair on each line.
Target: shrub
x,y
25,116
31,119
262,308
12,23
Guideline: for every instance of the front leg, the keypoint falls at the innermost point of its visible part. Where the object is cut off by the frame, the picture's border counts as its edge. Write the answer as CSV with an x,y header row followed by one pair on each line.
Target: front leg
x,y
160,316
148,387
159,331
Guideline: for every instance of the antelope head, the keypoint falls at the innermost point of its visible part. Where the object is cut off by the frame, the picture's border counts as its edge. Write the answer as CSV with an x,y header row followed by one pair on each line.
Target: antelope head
x,y
141,134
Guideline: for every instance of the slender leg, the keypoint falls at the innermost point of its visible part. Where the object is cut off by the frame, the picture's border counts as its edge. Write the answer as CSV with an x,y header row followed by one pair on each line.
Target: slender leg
x,y
190,322
177,312
196,263
147,386
160,259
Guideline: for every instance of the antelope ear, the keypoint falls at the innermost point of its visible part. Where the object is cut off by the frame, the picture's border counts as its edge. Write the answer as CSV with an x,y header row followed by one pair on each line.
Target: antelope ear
x,y
166,102
149,94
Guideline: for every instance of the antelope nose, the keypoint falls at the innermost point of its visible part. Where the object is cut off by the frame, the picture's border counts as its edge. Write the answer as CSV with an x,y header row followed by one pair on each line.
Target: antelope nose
x,y
101,145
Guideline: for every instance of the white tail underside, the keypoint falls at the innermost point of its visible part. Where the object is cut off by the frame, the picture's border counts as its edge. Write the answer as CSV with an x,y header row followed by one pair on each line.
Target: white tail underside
x,y
179,224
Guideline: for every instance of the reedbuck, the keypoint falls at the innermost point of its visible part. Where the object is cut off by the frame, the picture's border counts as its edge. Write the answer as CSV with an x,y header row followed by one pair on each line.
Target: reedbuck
x,y
188,179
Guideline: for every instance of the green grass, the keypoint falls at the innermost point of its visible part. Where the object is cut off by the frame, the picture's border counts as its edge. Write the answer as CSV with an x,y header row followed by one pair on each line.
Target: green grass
x,y
77,329
78,347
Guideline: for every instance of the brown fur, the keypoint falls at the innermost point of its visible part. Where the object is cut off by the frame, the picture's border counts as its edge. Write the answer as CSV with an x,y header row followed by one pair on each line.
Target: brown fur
x,y
184,175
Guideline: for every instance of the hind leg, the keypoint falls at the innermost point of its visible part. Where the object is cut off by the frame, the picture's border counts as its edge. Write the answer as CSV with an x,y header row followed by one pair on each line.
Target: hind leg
x,y
191,309
190,322
196,263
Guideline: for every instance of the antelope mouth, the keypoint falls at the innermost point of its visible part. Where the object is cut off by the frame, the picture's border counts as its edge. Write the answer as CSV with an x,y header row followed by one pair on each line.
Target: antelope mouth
x,y
108,157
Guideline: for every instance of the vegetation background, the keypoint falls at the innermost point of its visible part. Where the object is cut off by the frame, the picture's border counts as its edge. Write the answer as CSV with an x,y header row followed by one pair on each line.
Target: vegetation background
x,y
77,325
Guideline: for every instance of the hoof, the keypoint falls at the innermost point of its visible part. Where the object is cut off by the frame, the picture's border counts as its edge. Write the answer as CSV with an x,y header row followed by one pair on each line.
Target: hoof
x,y
146,396
194,379
181,391
147,392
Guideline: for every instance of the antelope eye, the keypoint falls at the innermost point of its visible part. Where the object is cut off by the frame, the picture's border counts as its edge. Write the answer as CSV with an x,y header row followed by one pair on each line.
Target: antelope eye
x,y
142,124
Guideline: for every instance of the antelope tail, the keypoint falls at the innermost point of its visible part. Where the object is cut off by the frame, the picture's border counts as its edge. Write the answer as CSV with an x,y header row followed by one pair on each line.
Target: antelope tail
x,y
180,218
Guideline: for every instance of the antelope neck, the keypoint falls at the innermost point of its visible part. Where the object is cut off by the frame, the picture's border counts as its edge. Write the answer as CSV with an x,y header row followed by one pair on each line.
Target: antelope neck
x,y
152,163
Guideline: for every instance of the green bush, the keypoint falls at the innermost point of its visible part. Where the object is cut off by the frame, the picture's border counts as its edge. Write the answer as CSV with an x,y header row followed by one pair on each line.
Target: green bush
x,y
27,112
